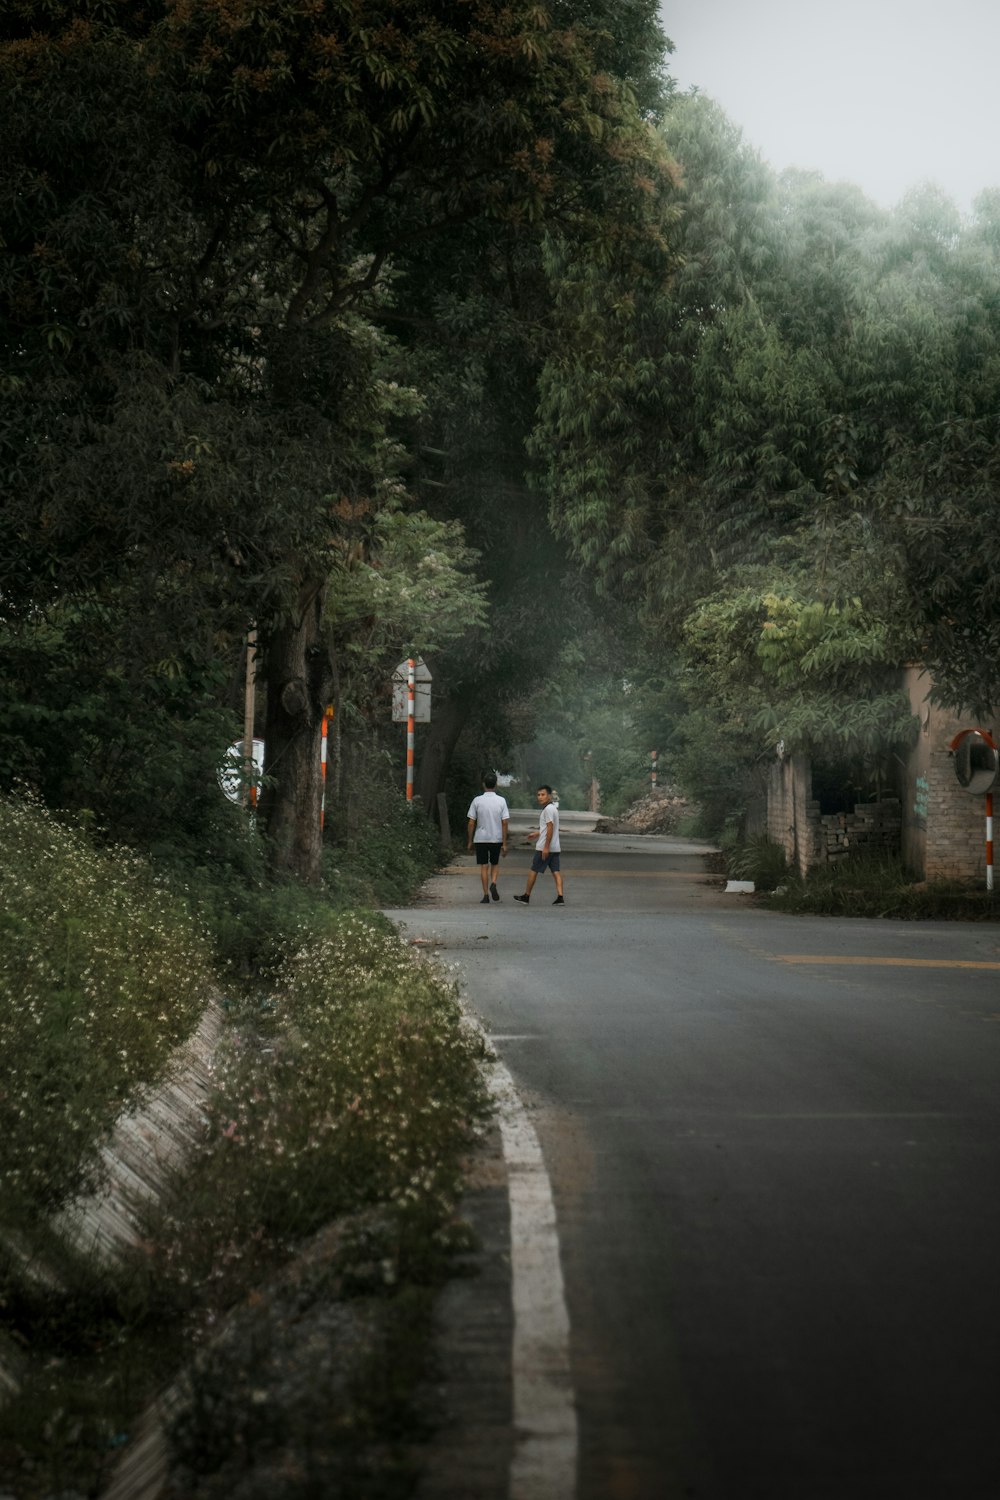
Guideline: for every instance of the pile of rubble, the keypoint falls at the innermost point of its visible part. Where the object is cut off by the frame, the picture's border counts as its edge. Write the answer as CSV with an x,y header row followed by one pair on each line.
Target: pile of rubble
x,y
660,811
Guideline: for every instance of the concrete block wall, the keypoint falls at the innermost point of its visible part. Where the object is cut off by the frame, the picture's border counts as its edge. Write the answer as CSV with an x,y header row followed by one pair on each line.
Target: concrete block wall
x,y
872,828
810,837
809,826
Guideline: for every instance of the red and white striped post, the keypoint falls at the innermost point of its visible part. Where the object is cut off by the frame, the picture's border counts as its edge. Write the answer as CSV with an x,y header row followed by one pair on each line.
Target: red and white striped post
x,y
410,696
322,762
249,769
989,841
652,772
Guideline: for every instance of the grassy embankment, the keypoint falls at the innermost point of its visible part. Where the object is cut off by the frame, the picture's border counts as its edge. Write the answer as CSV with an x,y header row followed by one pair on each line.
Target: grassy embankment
x,y
286,1279
861,886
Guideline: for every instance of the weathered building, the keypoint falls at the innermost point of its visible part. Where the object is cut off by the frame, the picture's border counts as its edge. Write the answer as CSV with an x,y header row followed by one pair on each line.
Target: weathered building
x,y
809,836
937,826
944,827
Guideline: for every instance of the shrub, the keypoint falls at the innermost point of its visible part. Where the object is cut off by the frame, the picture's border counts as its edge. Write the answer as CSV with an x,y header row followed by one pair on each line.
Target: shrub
x,y
102,973
879,886
348,1091
383,865
759,860
355,1083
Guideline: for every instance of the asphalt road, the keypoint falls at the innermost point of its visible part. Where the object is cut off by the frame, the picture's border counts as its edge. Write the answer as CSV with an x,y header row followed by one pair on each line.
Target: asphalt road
x,y
774,1148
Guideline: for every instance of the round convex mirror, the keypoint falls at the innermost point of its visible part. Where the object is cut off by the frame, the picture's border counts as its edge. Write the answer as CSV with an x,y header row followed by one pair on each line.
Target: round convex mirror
x,y
977,762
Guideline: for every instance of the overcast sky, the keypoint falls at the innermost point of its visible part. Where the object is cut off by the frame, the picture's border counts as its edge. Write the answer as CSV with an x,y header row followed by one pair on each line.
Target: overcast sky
x,y
883,93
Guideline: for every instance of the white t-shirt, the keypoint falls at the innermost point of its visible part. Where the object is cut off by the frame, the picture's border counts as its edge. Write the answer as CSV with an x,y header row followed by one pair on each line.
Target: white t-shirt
x,y
548,814
488,812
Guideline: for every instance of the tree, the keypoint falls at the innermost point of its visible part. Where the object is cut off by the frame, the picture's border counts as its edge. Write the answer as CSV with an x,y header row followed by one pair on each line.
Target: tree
x,y
484,301
474,313
937,496
729,439
205,202
588,714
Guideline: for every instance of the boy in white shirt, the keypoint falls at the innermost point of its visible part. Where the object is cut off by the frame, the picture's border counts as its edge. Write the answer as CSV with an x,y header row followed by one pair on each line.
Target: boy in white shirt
x,y
546,856
487,831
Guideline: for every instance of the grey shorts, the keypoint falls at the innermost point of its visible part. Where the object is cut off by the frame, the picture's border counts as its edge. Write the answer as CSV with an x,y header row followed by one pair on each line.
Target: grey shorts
x,y
538,864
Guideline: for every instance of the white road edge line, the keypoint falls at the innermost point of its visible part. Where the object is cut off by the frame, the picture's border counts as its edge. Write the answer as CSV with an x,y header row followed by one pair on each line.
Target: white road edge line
x,y
543,1463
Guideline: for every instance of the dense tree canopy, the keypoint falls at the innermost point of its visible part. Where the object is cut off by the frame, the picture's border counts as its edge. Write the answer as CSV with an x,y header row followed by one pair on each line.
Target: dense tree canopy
x,y
208,210
799,419
367,324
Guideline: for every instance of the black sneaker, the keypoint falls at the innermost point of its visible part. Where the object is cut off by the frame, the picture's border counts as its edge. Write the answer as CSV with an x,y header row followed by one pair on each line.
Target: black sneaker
x,y
485,901
559,901
523,899
494,892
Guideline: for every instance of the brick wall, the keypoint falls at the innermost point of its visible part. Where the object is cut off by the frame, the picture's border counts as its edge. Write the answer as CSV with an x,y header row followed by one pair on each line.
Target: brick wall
x,y
944,827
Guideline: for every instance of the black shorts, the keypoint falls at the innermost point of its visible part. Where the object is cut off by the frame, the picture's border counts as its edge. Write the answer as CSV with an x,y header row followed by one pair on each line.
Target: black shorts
x,y
487,854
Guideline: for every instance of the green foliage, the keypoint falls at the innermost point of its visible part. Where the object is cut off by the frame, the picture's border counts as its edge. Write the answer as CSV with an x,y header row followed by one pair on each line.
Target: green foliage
x,y
712,759
237,1426
378,856
938,497
383,862
759,860
104,708
101,974
813,676
802,413
348,1085
761,670
422,588
584,717
249,915
207,211
414,592
106,966
822,640
869,726
359,1092
879,886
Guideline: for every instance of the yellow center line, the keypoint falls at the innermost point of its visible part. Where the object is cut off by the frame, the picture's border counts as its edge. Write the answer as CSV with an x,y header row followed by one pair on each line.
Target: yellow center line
x,y
908,963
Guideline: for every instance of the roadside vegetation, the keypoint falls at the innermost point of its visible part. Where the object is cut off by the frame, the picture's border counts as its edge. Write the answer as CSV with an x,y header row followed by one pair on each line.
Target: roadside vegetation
x,y
870,886
103,973
755,859
863,885
320,1193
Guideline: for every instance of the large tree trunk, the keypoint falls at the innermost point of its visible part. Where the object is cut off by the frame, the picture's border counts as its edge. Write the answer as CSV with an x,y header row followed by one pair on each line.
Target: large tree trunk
x,y
297,672
449,717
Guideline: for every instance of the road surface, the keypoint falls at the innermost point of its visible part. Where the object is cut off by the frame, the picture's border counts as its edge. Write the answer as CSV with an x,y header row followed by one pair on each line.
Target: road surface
x,y
774,1150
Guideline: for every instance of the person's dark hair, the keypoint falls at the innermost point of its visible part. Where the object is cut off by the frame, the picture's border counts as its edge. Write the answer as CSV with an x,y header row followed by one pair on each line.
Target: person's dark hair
x,y
544,788
490,780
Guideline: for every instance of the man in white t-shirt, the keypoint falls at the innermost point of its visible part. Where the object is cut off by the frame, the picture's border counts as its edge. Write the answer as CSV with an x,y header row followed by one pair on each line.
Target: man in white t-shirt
x,y
546,855
487,833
